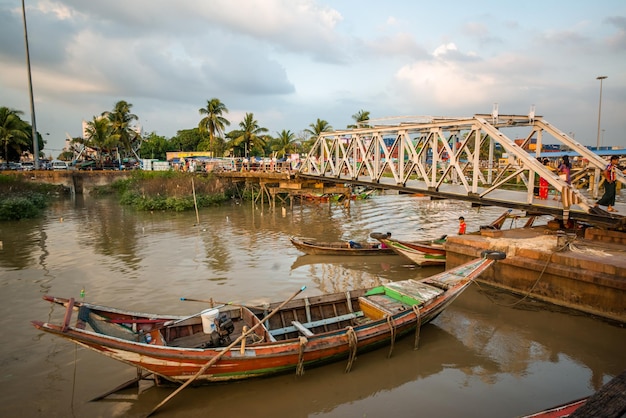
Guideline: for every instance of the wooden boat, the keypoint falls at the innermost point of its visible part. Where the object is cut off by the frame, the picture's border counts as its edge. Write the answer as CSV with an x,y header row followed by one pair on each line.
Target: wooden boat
x,y
432,252
297,333
310,246
422,253
561,411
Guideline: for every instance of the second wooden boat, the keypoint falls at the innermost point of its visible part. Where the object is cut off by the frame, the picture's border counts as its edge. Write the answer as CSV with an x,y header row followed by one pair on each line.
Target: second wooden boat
x,y
311,246
422,253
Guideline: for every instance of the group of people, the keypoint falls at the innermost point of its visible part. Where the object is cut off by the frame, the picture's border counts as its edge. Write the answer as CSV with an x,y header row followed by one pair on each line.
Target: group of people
x,y
564,170
609,174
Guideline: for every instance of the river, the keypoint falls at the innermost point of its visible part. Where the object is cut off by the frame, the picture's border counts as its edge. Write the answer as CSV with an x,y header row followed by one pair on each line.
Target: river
x,y
485,356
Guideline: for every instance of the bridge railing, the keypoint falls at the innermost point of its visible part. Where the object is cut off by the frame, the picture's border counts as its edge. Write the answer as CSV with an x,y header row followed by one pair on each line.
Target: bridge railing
x,y
454,156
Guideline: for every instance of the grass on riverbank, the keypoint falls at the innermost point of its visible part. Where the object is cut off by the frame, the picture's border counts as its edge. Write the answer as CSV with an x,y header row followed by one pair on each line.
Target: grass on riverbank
x,y
21,199
170,190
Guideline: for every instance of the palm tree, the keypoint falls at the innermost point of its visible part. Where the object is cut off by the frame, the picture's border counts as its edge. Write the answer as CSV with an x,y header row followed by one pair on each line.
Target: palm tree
x,y
361,118
213,123
284,142
318,127
100,136
121,120
13,130
250,133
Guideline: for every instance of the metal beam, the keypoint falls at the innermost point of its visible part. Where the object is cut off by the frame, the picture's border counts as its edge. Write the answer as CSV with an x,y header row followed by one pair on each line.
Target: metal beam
x,y
454,158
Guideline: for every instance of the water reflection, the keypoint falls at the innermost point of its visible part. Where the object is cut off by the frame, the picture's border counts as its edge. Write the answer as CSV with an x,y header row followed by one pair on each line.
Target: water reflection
x,y
480,351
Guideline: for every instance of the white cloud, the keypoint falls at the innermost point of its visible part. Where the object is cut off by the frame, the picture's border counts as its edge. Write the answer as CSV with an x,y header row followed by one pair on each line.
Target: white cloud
x,y
292,61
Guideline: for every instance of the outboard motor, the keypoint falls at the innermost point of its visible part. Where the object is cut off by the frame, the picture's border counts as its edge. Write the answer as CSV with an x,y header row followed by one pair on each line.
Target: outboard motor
x,y
224,327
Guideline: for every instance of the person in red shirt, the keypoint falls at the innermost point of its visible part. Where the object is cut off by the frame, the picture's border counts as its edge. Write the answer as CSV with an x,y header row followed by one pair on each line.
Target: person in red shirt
x,y
608,198
462,226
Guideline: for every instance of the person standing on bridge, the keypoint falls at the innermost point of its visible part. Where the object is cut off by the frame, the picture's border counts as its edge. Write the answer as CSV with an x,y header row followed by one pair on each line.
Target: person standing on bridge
x,y
462,226
543,183
565,169
608,198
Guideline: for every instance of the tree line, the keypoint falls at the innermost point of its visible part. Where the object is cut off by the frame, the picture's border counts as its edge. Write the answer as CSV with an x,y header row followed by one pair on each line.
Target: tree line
x,y
115,134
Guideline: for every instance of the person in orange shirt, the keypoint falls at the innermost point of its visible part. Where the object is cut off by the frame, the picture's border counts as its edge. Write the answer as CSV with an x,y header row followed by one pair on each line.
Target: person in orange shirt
x,y
462,226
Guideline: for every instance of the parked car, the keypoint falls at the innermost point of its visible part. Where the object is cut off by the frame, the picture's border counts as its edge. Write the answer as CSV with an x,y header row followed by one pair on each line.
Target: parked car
x,y
28,165
59,165
15,166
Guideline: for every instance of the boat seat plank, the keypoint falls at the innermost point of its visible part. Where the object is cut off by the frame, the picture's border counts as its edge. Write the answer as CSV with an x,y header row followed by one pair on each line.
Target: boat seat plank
x,y
196,340
304,330
412,292
380,306
313,324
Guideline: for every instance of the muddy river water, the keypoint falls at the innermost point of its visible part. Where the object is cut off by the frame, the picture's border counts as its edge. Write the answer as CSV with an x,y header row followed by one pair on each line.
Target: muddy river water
x,y
485,356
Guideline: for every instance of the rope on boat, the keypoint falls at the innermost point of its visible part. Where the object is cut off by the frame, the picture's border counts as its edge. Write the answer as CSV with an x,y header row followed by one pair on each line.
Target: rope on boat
x,y
392,331
352,342
300,366
418,316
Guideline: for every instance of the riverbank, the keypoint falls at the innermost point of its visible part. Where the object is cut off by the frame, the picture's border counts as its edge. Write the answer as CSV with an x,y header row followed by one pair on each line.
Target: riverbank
x,y
587,273
21,199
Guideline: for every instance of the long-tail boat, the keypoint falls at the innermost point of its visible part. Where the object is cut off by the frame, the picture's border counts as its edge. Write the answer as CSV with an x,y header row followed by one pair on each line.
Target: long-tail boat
x,y
311,246
238,342
432,252
422,253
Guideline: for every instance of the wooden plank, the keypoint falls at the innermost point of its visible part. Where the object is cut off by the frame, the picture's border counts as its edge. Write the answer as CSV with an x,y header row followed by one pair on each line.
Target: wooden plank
x,y
304,330
313,324
380,306
68,314
412,292
608,402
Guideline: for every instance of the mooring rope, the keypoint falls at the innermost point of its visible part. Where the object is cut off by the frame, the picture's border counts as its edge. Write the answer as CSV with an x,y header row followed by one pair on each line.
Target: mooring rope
x,y
418,317
528,293
352,342
300,367
392,330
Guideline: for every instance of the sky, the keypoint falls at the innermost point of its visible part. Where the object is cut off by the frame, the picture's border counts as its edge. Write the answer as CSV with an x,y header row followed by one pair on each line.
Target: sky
x,y
290,62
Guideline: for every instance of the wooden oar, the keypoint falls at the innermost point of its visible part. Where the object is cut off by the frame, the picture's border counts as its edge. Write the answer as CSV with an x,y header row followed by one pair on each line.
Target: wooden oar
x,y
224,351
211,302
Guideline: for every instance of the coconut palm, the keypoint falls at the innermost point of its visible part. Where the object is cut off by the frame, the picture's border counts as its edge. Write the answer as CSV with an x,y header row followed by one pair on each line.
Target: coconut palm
x,y
361,118
318,127
100,136
249,135
213,123
284,142
121,125
13,130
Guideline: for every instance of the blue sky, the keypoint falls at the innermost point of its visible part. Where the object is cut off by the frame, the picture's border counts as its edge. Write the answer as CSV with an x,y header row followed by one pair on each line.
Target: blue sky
x,y
292,61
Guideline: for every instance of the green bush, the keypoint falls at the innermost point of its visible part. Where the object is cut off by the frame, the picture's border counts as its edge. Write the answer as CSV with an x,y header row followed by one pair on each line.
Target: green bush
x,y
21,207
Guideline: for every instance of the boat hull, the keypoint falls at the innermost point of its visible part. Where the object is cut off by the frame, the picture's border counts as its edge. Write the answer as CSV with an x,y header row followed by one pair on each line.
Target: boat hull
x,y
420,253
312,247
302,333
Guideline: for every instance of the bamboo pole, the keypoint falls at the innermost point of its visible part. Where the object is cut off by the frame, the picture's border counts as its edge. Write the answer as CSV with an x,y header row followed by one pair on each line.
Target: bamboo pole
x,y
224,351
195,202
212,302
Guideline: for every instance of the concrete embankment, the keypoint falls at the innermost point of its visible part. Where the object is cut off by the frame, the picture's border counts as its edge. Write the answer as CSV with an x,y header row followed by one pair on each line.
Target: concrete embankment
x,y
583,273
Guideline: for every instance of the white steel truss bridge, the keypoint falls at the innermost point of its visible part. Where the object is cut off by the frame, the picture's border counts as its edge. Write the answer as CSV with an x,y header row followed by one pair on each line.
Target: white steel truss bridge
x,y
456,158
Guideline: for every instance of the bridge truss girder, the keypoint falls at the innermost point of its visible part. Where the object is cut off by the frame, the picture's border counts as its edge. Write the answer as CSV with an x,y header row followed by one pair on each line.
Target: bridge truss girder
x,y
454,157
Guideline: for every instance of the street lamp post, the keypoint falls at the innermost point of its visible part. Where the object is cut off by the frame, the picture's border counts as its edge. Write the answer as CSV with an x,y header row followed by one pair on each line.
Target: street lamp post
x,y
30,86
602,77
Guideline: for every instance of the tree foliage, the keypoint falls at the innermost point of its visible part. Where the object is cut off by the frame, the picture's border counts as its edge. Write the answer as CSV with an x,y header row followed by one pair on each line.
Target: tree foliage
x,y
361,119
14,132
213,123
249,136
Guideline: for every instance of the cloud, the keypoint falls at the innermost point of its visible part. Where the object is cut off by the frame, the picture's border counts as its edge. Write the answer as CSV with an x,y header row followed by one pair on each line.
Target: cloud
x,y
618,40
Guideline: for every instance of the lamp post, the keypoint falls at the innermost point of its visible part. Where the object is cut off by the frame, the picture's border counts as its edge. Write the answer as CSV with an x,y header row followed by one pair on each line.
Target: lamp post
x,y
30,86
602,77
